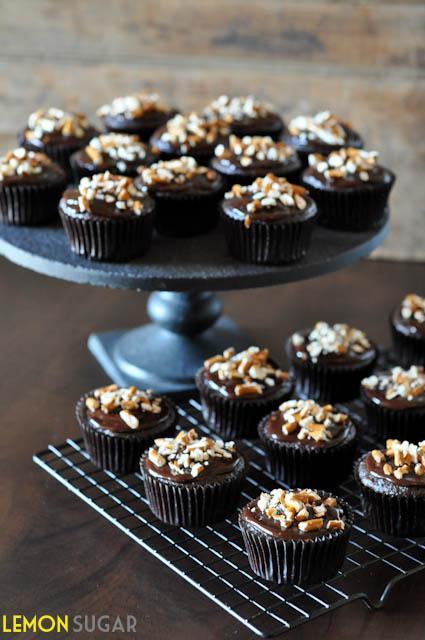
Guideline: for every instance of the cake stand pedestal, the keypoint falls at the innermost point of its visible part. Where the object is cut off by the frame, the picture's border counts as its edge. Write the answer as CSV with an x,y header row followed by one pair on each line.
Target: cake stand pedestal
x,y
187,325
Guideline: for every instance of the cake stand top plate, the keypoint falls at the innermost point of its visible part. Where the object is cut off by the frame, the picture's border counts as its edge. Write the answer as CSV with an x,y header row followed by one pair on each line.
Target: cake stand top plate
x,y
188,264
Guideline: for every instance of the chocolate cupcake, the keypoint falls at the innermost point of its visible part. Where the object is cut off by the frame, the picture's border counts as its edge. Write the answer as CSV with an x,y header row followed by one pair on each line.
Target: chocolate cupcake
x,y
189,135
246,116
30,187
308,444
408,330
58,134
329,361
392,483
192,481
296,537
350,189
243,160
119,424
118,153
321,133
395,403
107,218
238,389
186,196
269,221
137,114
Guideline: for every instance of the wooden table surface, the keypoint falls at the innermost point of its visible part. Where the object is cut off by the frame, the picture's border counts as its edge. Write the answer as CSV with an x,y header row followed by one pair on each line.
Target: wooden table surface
x,y
56,554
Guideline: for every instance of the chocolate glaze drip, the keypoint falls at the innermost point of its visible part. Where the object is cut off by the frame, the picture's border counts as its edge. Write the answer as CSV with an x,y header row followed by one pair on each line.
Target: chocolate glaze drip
x,y
333,359
216,470
236,208
271,527
69,205
378,175
273,430
408,326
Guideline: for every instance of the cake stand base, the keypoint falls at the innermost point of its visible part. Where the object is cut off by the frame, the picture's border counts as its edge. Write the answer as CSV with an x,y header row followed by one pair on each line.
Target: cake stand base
x,y
156,358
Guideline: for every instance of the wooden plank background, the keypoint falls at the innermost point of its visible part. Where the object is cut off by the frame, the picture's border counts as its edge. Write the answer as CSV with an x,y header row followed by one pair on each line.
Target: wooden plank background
x,y
363,60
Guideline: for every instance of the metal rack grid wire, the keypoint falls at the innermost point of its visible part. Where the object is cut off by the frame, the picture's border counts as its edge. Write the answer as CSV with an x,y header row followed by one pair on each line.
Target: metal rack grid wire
x,y
213,558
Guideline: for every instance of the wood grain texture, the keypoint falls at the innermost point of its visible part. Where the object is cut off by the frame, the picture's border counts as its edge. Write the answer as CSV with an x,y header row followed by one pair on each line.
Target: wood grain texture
x,y
56,554
363,60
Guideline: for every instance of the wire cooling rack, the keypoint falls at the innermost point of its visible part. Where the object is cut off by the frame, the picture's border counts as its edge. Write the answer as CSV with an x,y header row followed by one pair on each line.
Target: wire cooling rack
x,y
213,558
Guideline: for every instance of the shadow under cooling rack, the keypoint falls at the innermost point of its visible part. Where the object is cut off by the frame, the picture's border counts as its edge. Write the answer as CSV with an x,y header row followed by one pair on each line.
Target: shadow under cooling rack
x,y
213,558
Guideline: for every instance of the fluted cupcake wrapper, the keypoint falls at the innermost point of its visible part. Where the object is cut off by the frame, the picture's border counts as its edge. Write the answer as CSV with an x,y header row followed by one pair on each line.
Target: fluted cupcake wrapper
x,y
30,204
396,515
408,350
403,424
232,417
351,209
328,384
296,562
300,465
117,452
112,239
193,504
267,242
186,216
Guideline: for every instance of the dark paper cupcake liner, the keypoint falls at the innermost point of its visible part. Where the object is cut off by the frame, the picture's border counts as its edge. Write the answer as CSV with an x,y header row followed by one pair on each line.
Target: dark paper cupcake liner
x,y
296,562
30,204
305,466
236,418
352,209
109,239
267,242
408,350
394,514
183,217
328,384
119,452
404,424
193,504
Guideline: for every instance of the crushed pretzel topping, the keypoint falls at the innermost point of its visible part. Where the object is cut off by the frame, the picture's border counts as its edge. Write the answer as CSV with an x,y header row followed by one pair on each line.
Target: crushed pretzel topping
x,y
268,193
126,401
188,453
399,383
118,191
304,509
250,369
344,163
401,458
326,338
311,421
413,308
47,121
238,108
251,148
21,162
176,171
133,106
187,131
323,126
120,147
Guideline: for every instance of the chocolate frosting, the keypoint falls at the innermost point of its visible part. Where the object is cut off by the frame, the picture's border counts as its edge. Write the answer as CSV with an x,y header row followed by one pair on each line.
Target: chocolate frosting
x,y
56,138
255,517
300,352
82,160
198,185
409,327
148,421
51,174
260,125
232,166
340,433
377,176
353,139
69,206
201,150
371,474
227,387
151,119
216,471
237,208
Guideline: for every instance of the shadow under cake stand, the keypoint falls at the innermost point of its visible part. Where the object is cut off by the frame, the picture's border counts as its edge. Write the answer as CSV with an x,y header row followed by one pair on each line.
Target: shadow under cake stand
x,y
187,322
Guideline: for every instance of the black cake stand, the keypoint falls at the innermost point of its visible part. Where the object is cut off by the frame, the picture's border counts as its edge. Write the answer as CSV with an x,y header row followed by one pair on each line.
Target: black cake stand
x,y
187,323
